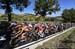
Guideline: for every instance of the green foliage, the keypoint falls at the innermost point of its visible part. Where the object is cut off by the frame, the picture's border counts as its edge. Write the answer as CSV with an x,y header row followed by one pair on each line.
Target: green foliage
x,y
47,19
44,7
58,19
3,17
8,6
39,18
23,17
29,17
53,19
69,15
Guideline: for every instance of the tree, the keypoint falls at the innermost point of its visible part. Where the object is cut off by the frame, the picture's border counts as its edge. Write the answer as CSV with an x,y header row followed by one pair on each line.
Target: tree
x,y
69,15
8,6
44,7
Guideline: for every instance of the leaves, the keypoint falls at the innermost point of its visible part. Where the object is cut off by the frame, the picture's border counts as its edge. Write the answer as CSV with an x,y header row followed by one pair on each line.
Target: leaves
x,y
44,7
69,15
8,6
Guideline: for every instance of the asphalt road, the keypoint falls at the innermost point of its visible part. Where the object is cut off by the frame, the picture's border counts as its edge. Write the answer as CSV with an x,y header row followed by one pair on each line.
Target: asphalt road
x,y
34,44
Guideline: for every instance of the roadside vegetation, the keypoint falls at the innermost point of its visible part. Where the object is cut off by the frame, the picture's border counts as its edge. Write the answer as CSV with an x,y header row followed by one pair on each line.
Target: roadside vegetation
x,y
30,17
64,41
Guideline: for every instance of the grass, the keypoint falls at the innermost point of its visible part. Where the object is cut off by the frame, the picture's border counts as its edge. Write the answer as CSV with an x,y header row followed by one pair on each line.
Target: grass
x,y
55,42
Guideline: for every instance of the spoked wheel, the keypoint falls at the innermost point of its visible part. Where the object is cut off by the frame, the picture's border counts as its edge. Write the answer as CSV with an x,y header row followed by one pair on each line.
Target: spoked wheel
x,y
14,42
46,32
41,35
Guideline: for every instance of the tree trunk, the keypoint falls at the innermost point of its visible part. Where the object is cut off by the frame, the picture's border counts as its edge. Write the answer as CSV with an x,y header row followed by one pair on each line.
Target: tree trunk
x,y
43,17
8,10
9,17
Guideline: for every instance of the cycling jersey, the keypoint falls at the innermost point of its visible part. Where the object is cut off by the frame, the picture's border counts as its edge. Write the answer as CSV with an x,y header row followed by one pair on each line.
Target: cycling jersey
x,y
40,28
